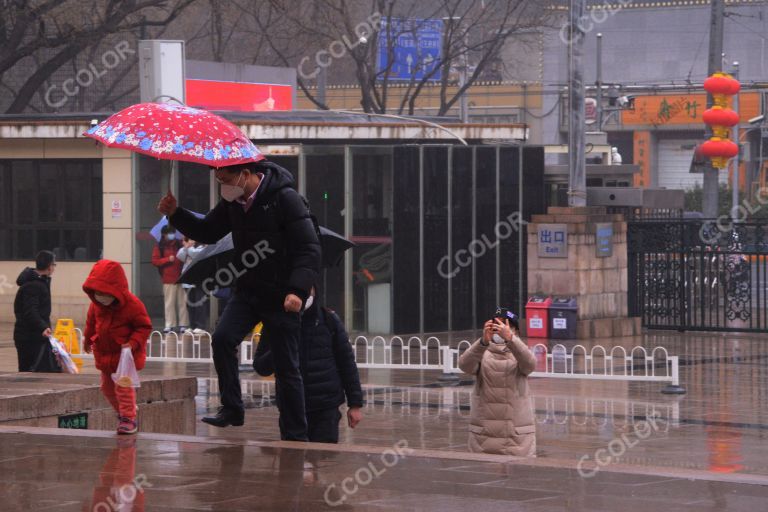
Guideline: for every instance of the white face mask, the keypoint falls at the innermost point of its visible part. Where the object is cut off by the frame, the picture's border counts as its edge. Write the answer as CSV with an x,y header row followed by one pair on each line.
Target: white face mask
x,y
232,192
498,339
308,304
103,299
170,237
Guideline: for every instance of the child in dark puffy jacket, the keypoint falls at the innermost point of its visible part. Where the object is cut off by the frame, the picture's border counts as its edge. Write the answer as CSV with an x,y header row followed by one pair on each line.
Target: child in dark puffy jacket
x,y
116,319
328,369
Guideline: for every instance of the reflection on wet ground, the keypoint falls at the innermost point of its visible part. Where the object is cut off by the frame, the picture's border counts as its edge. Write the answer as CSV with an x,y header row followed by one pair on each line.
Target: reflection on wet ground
x,y
91,471
713,434
718,425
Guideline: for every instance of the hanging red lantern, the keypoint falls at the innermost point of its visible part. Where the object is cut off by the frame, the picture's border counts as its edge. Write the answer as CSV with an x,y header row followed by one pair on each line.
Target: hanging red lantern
x,y
720,151
721,118
721,86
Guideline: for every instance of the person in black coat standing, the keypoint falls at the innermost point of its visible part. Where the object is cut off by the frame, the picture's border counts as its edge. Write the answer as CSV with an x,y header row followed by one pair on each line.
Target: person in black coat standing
x,y
32,308
276,262
328,370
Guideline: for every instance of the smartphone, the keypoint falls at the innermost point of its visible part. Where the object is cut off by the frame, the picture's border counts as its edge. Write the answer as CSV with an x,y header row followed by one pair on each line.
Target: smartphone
x,y
505,314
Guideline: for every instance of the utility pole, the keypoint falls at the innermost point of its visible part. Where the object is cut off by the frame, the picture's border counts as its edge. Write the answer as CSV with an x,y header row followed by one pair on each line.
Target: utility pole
x,y
710,188
599,82
736,159
577,180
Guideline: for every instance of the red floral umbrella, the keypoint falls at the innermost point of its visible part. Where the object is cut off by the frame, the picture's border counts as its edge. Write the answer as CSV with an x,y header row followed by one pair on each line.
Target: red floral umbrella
x,y
176,132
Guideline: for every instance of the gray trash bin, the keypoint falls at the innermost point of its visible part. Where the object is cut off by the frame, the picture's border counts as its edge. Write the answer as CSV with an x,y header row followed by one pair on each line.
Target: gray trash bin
x,y
562,318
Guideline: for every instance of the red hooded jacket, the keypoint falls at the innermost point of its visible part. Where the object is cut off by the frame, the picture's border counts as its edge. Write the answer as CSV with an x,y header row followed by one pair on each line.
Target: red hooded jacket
x,y
170,271
126,320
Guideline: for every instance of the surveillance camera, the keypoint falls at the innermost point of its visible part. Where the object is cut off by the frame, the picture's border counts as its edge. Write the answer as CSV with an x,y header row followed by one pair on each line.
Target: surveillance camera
x,y
626,101
757,120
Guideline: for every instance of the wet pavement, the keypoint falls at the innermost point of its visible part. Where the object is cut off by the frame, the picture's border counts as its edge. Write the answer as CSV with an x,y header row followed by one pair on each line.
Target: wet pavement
x,y
712,435
174,473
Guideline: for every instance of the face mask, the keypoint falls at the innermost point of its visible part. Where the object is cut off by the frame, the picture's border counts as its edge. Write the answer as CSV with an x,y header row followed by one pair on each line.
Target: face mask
x,y
170,238
232,192
308,303
103,298
498,339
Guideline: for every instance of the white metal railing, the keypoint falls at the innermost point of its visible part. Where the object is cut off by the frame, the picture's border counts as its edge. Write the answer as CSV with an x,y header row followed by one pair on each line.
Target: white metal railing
x,y
617,364
455,402
580,363
415,353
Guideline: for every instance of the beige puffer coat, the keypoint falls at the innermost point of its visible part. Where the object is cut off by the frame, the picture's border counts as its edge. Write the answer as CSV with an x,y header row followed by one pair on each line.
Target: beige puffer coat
x,y
501,417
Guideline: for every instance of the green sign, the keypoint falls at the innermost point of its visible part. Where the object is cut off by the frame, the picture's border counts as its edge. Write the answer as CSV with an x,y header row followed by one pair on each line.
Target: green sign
x,y
79,420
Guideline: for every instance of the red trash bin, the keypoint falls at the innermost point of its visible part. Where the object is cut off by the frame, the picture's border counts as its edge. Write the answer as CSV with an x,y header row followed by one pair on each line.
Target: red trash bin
x,y
537,317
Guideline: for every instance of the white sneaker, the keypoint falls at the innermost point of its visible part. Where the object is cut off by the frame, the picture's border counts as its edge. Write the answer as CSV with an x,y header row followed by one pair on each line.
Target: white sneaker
x,y
198,331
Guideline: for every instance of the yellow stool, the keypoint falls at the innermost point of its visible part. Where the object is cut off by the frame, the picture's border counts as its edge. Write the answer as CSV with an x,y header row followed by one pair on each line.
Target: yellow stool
x,y
65,333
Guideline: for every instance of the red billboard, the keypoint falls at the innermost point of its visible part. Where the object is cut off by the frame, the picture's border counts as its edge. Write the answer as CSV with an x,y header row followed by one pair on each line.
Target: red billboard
x,y
238,96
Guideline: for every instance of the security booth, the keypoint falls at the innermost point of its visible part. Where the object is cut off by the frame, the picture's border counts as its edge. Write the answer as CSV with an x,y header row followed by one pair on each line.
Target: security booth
x,y
604,168
639,203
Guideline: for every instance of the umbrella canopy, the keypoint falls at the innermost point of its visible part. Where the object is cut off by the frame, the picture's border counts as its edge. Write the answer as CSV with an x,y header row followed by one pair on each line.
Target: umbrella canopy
x,y
334,246
176,132
208,261
157,229
219,255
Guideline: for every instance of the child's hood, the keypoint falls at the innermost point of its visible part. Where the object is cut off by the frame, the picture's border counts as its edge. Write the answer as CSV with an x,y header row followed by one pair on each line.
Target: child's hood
x,y
107,276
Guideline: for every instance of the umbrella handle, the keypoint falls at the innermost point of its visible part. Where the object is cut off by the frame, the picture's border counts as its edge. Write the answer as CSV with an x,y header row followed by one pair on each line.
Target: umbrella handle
x,y
174,169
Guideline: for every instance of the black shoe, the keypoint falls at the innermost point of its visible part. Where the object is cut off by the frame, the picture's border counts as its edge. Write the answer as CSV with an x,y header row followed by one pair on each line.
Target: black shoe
x,y
226,417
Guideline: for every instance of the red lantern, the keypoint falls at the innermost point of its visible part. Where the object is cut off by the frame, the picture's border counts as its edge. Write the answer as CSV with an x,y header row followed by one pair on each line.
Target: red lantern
x,y
721,83
719,148
720,151
721,116
721,119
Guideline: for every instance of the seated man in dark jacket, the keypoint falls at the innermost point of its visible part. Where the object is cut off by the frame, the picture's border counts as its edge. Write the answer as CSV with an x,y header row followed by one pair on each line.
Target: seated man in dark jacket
x,y
32,308
328,370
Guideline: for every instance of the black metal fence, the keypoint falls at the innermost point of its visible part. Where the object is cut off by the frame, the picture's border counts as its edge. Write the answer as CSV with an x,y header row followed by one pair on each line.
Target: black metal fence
x,y
699,274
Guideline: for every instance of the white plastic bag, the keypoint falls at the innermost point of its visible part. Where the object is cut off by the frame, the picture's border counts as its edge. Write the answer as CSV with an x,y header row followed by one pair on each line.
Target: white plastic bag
x,y
126,374
62,356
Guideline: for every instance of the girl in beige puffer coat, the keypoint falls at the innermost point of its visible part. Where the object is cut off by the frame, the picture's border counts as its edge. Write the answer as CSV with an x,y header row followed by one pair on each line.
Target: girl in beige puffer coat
x,y
501,417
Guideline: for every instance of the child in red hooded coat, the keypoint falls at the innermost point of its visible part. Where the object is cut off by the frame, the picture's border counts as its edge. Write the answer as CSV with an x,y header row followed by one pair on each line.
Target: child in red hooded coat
x,y
116,318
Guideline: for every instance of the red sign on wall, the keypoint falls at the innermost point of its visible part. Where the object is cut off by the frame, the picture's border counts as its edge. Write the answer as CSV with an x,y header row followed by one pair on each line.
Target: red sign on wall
x,y
238,96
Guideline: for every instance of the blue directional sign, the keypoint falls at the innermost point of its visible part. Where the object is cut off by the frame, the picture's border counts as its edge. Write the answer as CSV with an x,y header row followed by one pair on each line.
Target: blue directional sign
x,y
414,47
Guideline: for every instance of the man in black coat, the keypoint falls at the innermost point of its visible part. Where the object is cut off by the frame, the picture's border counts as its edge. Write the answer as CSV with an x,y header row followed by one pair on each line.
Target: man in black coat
x,y
276,262
328,370
32,308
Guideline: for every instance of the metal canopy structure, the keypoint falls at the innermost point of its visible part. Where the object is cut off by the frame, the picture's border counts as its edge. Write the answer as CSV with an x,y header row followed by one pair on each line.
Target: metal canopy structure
x,y
293,126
